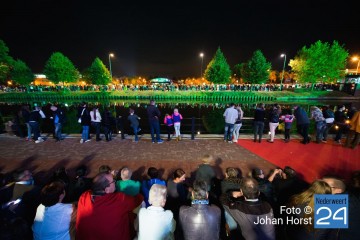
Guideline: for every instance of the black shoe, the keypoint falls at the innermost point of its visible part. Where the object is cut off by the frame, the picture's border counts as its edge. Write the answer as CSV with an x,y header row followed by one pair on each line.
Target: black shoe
x,y
259,140
98,139
254,140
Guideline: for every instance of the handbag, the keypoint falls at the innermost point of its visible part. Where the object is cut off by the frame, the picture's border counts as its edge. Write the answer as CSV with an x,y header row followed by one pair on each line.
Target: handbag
x,y
79,120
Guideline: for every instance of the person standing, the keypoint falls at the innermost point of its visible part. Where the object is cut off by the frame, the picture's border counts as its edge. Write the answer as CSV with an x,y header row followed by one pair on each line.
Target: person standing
x,y
274,121
84,117
320,123
302,122
96,121
230,115
168,121
340,118
353,136
134,123
154,114
238,123
259,119
288,118
25,113
34,122
59,119
329,119
177,117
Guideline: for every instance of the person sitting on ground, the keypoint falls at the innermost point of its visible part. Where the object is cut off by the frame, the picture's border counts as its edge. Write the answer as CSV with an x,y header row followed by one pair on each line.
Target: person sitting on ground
x,y
248,209
232,181
153,175
126,184
104,169
103,213
52,220
205,171
79,184
155,222
300,201
336,184
265,184
200,220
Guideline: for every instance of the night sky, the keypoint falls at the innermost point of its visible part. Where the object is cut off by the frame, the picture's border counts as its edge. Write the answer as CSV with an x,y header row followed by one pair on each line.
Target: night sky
x,y
164,38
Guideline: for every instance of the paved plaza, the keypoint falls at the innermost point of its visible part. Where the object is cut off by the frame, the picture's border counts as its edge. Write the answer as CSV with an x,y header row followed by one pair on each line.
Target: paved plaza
x,y
43,158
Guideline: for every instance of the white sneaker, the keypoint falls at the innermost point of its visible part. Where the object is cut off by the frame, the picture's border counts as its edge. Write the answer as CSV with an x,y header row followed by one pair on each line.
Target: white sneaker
x,y
39,140
235,141
82,140
88,140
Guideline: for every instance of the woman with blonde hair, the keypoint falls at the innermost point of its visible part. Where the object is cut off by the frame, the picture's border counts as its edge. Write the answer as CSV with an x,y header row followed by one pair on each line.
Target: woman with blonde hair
x,y
238,124
301,201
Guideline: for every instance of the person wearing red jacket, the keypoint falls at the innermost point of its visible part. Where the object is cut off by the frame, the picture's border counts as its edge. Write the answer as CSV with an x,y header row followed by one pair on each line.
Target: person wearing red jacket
x,y
105,214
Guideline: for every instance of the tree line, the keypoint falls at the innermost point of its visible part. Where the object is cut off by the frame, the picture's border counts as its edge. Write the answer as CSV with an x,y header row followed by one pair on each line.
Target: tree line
x,y
320,62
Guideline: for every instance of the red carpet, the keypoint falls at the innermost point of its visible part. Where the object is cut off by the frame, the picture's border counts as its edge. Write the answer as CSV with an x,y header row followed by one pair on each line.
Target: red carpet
x,y
311,161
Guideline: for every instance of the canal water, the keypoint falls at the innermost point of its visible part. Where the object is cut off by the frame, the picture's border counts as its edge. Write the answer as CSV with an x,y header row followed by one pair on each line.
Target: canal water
x,y
198,117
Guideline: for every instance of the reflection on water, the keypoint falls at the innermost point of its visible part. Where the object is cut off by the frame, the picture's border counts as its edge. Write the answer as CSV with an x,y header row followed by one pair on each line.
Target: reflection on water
x,y
207,116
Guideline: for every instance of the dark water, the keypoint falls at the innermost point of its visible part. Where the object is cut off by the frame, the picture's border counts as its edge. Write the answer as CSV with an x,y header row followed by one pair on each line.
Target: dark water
x,y
206,116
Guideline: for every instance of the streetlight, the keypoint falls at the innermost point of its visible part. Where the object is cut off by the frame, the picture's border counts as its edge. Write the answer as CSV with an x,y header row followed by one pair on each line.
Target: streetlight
x,y
356,59
202,59
282,76
110,56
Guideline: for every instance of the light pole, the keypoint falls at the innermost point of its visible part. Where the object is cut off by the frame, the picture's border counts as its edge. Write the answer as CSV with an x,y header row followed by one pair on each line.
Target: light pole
x,y
202,59
356,59
283,71
110,56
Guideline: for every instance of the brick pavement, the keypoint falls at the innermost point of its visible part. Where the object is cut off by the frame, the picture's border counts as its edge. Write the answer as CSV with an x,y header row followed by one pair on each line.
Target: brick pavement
x,y
44,158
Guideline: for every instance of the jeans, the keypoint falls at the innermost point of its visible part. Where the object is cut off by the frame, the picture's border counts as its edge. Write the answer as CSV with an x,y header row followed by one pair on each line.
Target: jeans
x,y
258,129
136,129
85,133
236,131
228,134
272,127
58,128
326,132
320,128
177,129
35,129
28,130
96,126
155,128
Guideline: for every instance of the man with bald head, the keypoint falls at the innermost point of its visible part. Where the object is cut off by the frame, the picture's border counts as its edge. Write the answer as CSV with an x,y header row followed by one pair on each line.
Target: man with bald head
x,y
103,213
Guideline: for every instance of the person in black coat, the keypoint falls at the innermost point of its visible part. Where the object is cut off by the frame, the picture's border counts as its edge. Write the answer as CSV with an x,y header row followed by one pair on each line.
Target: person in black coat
x,y
84,117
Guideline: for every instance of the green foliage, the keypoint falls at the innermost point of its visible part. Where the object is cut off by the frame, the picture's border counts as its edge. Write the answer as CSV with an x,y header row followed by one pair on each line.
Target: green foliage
x,y
97,73
21,73
321,62
257,69
60,69
214,121
218,70
5,62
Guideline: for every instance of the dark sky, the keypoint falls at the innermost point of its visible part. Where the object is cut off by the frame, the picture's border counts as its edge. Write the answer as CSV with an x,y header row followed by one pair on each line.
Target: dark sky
x,y
164,38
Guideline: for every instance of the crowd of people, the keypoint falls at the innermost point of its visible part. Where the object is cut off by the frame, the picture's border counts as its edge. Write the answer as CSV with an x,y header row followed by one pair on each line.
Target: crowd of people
x,y
339,120
173,87
115,205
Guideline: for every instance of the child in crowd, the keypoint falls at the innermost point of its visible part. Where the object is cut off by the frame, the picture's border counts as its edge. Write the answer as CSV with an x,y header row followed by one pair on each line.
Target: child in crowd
x,y
288,118
177,117
168,121
134,123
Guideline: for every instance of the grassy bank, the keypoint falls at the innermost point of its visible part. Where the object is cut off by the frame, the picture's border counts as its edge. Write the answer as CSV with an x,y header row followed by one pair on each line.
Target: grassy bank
x,y
176,95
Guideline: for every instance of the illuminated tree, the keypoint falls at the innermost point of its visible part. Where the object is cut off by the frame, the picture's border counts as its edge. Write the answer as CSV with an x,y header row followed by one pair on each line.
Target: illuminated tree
x,y
60,69
5,62
321,62
257,69
21,73
218,70
97,73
